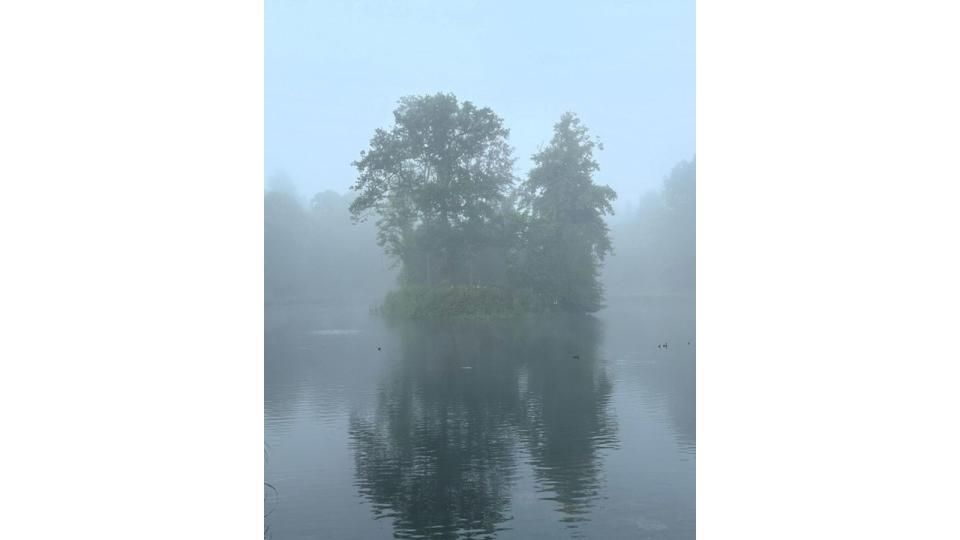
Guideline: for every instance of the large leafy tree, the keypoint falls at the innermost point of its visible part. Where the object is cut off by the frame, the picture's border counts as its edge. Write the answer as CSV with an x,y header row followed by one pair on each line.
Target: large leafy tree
x,y
435,180
566,238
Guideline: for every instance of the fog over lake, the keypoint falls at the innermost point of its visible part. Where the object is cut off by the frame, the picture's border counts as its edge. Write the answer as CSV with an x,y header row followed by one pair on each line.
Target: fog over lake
x,y
481,429
479,269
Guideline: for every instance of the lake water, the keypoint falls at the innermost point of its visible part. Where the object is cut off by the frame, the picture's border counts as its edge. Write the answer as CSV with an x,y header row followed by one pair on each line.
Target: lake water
x,y
481,430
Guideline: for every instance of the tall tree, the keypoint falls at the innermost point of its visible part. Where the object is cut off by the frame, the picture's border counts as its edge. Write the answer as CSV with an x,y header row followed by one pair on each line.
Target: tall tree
x,y
435,180
567,237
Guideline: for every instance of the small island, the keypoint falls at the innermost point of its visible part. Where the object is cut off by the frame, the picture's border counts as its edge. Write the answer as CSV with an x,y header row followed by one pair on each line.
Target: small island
x,y
469,238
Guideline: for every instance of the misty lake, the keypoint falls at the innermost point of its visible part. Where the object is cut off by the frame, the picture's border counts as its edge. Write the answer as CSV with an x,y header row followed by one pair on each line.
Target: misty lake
x,y
555,427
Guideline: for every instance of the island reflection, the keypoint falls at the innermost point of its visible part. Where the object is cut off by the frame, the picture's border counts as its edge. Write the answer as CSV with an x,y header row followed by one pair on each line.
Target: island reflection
x,y
464,403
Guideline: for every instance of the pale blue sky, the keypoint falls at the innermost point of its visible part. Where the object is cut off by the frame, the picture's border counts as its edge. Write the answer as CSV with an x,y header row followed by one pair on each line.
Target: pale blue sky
x,y
334,70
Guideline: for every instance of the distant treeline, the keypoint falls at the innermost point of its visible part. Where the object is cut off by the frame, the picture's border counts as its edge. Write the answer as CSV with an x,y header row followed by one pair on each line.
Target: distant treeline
x,y
655,246
438,194
313,252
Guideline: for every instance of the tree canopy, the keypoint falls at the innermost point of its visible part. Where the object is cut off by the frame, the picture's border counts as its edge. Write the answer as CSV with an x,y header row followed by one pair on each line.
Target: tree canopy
x,y
567,237
468,238
435,180
440,183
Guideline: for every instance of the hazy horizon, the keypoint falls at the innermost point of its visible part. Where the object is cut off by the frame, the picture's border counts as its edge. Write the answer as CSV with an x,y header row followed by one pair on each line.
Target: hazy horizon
x,y
334,72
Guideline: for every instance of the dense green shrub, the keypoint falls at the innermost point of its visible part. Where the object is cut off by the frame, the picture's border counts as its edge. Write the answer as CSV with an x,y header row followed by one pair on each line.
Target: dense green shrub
x,y
459,301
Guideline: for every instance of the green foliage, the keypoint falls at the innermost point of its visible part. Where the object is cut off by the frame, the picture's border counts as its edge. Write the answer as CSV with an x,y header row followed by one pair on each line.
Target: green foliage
x,y
435,180
457,301
440,184
566,238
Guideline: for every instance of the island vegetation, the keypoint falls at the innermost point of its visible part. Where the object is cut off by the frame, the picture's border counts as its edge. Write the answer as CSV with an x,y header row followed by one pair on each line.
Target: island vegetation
x,y
469,239
460,235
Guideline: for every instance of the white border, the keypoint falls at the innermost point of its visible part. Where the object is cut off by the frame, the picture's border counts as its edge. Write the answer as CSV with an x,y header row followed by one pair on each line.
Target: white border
x,y
131,140
827,269
132,156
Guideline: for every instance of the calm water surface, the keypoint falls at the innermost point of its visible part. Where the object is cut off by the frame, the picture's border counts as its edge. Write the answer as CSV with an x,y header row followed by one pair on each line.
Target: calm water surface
x,y
481,430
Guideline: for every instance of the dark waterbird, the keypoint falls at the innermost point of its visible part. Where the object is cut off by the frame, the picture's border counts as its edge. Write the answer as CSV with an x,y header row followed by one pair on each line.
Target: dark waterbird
x,y
378,348
576,357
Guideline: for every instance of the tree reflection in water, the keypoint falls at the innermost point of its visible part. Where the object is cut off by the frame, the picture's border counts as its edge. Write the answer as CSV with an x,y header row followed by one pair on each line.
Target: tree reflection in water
x,y
566,421
462,406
